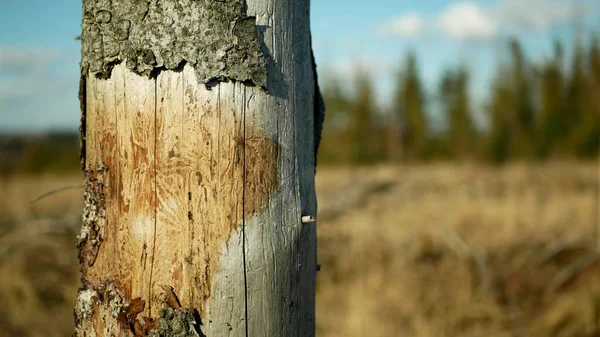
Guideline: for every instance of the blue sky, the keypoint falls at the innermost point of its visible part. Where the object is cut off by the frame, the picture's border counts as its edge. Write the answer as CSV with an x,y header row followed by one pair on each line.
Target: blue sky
x,y
39,56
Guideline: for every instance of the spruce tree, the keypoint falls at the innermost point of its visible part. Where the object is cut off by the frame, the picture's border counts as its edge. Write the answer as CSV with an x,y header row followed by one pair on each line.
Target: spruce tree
x,y
409,106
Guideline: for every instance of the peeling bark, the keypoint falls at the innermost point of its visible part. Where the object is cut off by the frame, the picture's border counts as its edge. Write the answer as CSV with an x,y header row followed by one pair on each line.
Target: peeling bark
x,y
176,323
103,310
97,311
94,216
216,37
318,109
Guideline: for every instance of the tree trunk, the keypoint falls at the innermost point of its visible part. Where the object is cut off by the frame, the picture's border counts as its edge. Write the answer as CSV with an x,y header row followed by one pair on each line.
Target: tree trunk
x,y
199,132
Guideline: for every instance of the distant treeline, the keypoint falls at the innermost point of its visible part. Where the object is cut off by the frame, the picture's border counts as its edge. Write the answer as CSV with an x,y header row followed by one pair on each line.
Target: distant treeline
x,y
54,152
534,112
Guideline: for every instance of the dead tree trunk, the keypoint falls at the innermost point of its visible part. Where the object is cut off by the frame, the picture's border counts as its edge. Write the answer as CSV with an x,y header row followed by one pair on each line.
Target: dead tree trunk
x,y
201,120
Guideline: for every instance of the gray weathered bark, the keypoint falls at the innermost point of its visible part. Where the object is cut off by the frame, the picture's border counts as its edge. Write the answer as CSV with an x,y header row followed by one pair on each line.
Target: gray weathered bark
x,y
201,122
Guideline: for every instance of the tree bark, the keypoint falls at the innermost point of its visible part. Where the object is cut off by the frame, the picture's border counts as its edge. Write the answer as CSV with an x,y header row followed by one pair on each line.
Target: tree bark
x,y
198,149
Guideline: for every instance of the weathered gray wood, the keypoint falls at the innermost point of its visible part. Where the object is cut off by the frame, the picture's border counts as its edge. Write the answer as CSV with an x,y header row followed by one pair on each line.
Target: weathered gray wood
x,y
196,190
279,254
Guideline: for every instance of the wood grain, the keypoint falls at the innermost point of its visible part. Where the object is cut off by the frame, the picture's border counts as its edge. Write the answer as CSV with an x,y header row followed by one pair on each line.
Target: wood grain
x,y
122,127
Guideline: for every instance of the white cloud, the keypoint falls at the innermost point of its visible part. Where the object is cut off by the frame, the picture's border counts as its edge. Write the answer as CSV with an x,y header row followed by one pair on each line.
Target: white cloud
x,y
38,89
407,25
466,21
28,74
26,60
542,15
345,71
348,68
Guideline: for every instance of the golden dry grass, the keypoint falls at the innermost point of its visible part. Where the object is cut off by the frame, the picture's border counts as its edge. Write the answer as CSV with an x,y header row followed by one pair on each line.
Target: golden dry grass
x,y
439,250
39,273
459,251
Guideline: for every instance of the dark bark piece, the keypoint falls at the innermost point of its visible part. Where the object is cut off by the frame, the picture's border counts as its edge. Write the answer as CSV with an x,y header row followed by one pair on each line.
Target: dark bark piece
x,y
216,37
318,108
170,297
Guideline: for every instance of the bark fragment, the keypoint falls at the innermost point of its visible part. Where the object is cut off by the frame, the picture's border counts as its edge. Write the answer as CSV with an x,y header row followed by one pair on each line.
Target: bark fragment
x,y
94,215
318,109
97,310
104,308
216,37
176,323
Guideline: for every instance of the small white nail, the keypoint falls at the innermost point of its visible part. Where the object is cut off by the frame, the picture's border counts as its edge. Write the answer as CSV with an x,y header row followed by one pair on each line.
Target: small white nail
x,y
308,219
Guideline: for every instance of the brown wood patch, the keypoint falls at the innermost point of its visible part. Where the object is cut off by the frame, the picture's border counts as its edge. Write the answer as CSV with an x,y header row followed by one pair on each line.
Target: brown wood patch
x,y
183,170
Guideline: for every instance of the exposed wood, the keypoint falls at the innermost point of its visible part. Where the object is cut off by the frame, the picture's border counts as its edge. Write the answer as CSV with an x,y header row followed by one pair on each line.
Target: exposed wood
x,y
195,195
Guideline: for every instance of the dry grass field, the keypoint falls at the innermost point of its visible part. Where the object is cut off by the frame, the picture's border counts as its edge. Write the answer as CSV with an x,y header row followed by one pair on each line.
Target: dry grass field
x,y
437,250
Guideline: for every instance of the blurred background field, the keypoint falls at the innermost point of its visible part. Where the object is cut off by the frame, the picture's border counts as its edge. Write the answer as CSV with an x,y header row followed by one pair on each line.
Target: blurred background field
x,y
459,250
458,202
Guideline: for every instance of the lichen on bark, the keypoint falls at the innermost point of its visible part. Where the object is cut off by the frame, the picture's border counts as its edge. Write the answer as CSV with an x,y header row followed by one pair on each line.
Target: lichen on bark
x,y
176,323
104,310
97,311
94,215
215,36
